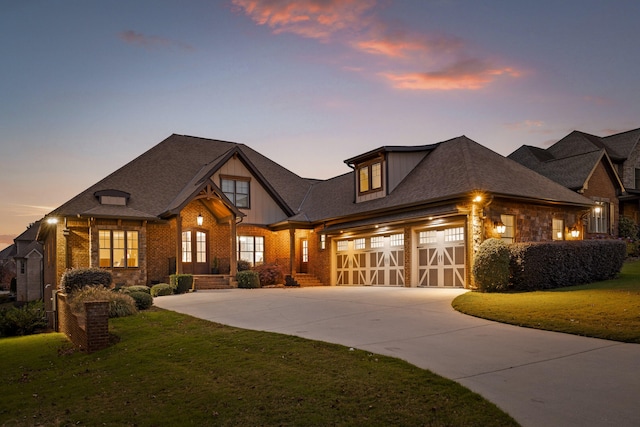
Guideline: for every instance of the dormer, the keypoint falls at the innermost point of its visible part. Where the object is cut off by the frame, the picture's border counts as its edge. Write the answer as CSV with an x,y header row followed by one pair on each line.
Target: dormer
x,y
112,197
379,172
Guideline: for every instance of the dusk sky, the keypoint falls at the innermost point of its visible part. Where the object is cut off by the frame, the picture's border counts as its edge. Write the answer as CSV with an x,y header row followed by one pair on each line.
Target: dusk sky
x,y
87,86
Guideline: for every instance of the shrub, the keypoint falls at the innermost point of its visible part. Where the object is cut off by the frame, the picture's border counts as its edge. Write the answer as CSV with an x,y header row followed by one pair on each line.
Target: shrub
x,y
248,279
243,265
80,277
136,288
143,300
120,304
491,266
627,228
557,264
270,274
181,283
161,289
25,320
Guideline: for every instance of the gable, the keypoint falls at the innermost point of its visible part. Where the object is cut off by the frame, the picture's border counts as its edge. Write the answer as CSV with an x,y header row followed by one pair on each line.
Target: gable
x,y
263,209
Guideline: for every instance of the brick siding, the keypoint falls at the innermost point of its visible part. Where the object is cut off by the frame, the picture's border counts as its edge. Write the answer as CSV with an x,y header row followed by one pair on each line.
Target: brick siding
x,y
89,332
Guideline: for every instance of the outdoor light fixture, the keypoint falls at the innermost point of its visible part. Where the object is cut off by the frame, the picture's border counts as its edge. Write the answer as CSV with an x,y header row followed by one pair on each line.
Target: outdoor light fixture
x,y
559,234
500,227
574,232
199,219
597,209
52,220
477,199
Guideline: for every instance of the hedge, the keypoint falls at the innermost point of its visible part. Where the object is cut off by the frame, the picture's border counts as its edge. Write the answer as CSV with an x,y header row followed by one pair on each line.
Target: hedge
x,y
78,278
491,266
549,265
248,279
181,283
161,289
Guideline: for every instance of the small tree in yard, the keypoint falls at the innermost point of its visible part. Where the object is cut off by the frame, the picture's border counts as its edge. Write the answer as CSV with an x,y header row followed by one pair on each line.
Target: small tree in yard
x,y
491,266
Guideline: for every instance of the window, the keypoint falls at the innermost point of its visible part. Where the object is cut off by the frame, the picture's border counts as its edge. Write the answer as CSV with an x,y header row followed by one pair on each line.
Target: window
x,y
454,234
599,218
370,177
558,229
323,242
343,245
118,248
305,250
509,228
426,237
236,190
251,249
186,246
377,242
359,244
397,240
201,246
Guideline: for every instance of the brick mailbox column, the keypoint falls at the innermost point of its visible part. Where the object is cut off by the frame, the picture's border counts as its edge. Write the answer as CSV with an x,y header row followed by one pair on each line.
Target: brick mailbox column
x,y
97,325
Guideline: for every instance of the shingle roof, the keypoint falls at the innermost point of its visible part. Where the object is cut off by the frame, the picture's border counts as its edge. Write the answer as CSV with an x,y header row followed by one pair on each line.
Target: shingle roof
x,y
159,177
575,143
452,169
622,144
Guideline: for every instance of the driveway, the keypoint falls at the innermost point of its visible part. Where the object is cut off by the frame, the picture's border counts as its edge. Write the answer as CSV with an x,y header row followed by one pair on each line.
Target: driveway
x,y
540,378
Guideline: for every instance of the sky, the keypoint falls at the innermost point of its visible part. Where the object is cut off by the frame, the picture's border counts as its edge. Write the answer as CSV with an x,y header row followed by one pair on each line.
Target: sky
x,y
86,86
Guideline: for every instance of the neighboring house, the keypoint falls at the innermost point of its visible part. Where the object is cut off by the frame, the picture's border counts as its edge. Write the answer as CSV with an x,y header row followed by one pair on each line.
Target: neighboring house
x,y
602,169
404,216
7,266
28,257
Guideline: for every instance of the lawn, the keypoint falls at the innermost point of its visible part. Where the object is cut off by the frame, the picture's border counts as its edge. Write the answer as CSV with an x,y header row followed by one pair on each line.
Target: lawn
x,y
173,369
609,309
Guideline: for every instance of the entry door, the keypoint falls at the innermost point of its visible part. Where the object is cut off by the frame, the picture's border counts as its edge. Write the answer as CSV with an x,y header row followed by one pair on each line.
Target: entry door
x,y
441,257
304,256
194,252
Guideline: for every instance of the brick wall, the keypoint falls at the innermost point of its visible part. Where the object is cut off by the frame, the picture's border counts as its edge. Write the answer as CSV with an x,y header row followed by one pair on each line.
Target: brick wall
x,y
89,332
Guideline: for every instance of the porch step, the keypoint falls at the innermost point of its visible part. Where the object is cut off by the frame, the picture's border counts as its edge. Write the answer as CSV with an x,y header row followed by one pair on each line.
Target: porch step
x,y
305,280
211,281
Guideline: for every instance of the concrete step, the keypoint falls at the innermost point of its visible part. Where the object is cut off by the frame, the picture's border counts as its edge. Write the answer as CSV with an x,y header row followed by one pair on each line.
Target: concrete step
x,y
211,281
307,280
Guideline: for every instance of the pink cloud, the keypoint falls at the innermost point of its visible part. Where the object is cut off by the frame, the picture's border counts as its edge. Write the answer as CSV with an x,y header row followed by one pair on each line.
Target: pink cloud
x,y
469,74
308,18
146,41
354,24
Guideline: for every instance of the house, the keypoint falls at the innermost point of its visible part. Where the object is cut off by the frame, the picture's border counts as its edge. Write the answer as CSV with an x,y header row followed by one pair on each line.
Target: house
x,y
28,257
602,169
403,216
7,267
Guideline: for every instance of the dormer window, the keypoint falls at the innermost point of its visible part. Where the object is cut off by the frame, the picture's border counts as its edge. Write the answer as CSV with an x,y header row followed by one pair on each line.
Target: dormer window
x,y
112,197
370,177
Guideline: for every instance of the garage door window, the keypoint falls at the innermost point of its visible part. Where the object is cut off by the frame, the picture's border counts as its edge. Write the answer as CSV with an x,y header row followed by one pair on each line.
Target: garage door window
x,y
397,240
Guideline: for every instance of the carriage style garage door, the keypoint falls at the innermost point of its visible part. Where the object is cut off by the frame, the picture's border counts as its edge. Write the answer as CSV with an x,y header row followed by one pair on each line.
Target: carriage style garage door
x,y
441,257
371,260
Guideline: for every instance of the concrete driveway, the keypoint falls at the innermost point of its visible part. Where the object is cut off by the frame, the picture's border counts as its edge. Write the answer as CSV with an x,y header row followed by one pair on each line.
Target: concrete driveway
x,y
540,378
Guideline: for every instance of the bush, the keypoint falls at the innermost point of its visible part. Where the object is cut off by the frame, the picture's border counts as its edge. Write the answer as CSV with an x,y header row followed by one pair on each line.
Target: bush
x,y
627,228
551,265
270,274
136,288
120,304
248,279
181,283
78,278
491,266
25,320
143,300
243,265
161,289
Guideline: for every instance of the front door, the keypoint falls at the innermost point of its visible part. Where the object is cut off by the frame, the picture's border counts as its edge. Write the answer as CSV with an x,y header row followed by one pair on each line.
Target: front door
x,y
304,256
194,252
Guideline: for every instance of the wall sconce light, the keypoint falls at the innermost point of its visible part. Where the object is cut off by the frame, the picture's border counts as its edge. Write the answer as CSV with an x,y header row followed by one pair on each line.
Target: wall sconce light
x,y
199,220
597,209
559,235
477,199
500,227
52,220
574,231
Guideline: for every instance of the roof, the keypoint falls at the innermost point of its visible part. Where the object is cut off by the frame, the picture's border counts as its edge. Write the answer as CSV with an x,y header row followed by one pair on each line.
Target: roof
x,y
452,169
572,160
389,149
163,177
8,252
621,145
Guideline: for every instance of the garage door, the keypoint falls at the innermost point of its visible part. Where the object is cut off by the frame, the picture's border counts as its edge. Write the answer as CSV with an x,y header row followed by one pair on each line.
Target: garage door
x,y
371,260
441,257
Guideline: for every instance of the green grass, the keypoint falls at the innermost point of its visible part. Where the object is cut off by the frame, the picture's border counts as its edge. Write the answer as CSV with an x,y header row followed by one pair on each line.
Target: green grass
x,y
609,309
172,369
